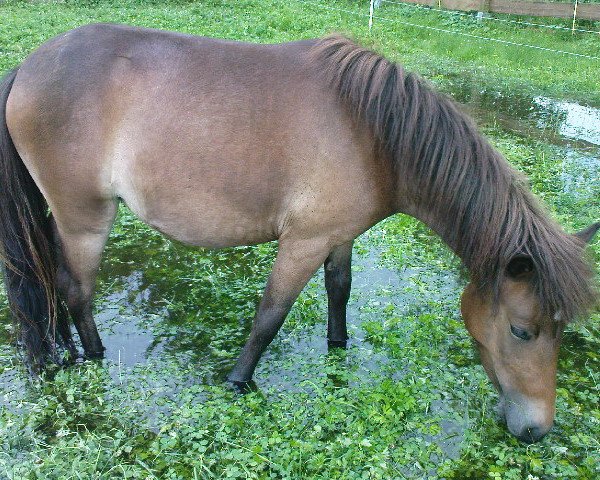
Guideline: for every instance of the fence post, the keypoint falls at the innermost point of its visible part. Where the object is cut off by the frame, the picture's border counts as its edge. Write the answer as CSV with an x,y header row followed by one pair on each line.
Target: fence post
x,y
485,9
574,17
371,15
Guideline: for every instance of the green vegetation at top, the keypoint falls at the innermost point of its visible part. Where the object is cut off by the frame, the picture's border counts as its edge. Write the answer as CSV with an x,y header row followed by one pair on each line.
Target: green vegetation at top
x,y
25,25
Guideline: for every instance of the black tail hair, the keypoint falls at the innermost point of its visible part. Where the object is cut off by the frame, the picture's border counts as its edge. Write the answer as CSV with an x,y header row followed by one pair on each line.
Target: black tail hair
x,y
28,252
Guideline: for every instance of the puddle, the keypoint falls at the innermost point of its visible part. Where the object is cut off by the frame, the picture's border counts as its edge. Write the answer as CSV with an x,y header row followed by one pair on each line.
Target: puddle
x,y
555,121
127,342
368,278
580,174
573,128
571,120
135,324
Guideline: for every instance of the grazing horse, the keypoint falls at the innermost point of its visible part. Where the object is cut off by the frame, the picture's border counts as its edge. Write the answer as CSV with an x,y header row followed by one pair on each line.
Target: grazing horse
x,y
217,143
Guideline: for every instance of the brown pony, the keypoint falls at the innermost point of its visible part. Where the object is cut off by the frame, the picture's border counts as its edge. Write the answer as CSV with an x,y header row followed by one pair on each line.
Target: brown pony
x,y
217,143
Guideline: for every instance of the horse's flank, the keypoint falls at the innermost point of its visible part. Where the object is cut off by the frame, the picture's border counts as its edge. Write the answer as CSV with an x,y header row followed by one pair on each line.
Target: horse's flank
x,y
193,128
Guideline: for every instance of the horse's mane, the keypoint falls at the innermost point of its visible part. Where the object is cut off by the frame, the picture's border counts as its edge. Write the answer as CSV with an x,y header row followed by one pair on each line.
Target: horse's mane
x,y
478,204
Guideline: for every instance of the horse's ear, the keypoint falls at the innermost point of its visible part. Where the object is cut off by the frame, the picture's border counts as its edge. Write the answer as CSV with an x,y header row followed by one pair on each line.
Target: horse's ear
x,y
520,267
588,233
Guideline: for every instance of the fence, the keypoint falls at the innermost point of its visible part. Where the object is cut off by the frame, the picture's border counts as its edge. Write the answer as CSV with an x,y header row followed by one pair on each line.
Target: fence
x,y
371,16
575,10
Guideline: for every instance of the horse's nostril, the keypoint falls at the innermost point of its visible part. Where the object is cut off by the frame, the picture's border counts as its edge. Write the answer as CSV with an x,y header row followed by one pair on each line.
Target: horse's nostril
x,y
532,434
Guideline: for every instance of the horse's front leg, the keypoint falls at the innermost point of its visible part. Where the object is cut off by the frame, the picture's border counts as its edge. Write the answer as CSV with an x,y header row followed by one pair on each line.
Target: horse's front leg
x,y
296,262
338,279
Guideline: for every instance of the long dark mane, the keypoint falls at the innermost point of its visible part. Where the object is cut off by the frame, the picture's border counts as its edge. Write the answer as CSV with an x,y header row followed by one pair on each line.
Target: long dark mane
x,y
459,183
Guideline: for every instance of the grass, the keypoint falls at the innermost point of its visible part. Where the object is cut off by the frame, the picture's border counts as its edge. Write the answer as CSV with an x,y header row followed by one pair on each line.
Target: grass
x,y
407,400
28,24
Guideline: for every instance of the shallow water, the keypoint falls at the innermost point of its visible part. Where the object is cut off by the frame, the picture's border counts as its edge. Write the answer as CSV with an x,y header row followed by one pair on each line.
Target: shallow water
x,y
127,316
555,121
581,173
570,120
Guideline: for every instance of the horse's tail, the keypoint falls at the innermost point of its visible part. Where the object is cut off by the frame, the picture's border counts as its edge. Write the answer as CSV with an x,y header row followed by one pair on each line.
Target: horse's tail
x,y
27,251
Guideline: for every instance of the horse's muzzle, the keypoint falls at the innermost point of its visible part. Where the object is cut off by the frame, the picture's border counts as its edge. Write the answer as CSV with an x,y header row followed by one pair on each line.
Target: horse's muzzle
x,y
528,420
532,434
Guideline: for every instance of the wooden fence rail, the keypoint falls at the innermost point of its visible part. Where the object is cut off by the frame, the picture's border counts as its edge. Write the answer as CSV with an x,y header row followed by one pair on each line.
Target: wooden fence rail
x,y
585,11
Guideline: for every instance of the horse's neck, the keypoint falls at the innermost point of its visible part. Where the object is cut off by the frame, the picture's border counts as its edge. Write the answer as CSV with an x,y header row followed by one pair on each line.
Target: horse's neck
x,y
428,217
468,211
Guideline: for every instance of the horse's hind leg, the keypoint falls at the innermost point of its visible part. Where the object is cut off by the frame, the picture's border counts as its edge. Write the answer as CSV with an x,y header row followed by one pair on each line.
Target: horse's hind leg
x,y
296,262
338,279
81,246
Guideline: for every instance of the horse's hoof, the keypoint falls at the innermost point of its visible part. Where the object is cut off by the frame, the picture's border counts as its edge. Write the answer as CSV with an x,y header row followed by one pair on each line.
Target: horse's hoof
x,y
337,344
244,387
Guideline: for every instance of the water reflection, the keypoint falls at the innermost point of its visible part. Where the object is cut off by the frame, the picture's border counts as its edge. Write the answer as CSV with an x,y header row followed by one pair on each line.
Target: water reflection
x,y
556,121
578,122
170,300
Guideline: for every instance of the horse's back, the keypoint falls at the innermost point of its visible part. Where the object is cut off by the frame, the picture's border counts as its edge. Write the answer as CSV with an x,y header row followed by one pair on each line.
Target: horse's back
x,y
213,142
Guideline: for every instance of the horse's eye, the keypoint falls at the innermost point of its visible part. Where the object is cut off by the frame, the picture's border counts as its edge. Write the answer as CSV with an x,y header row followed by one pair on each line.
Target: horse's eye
x,y
520,333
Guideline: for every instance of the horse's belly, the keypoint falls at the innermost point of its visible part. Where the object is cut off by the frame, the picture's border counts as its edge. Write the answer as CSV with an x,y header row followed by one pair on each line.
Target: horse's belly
x,y
199,220
203,202
213,231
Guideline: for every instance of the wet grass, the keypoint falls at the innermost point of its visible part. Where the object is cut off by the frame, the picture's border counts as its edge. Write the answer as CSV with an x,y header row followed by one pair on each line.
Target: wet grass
x,y
408,399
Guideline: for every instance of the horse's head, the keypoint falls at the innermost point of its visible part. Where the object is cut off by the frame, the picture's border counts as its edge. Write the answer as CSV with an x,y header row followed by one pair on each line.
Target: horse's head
x,y
519,346
519,350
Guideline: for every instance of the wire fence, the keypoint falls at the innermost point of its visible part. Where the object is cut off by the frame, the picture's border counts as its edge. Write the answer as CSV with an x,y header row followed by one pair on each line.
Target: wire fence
x,y
488,17
372,16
